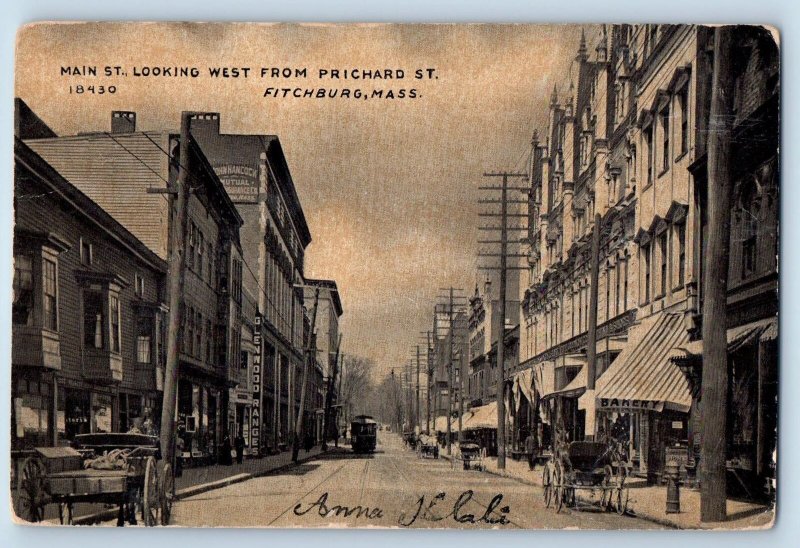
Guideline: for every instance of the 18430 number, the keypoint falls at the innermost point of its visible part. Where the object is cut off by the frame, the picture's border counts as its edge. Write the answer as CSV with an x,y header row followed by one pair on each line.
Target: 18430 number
x,y
79,89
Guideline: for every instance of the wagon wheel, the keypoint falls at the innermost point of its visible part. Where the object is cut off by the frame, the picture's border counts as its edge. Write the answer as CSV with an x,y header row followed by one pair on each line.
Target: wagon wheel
x,y
607,493
547,485
558,480
622,500
65,513
31,494
151,503
167,493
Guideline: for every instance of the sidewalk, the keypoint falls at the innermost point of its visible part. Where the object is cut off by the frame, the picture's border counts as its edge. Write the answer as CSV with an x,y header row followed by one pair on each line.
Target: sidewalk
x,y
206,478
649,501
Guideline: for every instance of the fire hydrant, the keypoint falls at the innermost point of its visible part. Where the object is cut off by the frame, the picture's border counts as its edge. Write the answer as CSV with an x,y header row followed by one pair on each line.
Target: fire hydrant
x,y
671,471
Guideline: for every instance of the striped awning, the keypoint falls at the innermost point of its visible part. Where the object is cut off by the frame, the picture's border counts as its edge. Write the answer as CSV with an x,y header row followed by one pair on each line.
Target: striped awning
x,y
644,376
738,337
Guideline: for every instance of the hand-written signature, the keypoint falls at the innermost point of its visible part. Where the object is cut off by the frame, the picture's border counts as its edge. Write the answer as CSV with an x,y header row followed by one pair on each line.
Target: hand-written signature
x,y
457,513
425,509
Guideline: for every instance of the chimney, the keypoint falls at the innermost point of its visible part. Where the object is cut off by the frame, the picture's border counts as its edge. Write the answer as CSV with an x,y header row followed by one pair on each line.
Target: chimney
x,y
205,122
123,121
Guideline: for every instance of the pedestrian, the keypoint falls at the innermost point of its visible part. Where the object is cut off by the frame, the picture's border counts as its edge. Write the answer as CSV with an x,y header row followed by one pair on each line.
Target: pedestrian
x,y
308,442
239,443
225,458
529,448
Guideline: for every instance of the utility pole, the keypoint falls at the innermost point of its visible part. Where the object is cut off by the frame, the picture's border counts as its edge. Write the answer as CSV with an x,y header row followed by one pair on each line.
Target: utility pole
x,y
418,421
326,418
504,229
310,355
714,403
429,370
591,348
178,200
451,388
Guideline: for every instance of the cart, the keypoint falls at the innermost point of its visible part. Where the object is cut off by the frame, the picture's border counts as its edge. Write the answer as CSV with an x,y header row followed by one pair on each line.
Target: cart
x,y
592,466
427,447
470,456
107,468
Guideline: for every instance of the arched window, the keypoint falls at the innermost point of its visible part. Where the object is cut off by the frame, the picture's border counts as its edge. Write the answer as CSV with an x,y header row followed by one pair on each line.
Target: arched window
x,y
748,215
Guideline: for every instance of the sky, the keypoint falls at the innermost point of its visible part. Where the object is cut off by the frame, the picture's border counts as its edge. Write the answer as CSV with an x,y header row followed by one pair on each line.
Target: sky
x,y
388,187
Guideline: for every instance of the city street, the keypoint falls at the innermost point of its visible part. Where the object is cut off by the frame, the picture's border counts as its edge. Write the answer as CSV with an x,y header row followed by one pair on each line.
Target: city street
x,y
390,488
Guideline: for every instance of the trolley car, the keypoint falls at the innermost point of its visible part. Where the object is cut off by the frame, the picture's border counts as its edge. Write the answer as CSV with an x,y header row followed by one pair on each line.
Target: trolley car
x,y
363,434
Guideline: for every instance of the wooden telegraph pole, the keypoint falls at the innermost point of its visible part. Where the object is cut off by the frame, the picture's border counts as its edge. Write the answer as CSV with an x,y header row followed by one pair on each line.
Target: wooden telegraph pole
x,y
714,403
450,300
591,343
310,355
504,255
326,418
418,414
178,200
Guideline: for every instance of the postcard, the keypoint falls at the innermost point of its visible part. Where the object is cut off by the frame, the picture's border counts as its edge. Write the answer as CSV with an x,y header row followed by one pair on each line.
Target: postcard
x,y
395,276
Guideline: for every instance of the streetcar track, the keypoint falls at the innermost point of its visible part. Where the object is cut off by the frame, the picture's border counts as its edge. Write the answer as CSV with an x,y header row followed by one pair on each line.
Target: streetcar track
x,y
328,477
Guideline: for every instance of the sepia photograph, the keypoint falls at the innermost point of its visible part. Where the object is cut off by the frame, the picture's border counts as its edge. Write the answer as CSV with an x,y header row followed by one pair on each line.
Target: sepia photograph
x,y
460,276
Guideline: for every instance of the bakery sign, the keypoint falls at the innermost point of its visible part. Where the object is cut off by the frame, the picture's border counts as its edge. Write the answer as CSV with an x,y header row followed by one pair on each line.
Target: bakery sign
x,y
240,181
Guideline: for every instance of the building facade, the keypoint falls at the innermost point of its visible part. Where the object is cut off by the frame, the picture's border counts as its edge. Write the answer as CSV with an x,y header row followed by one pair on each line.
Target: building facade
x,y
329,310
127,173
88,343
274,237
626,148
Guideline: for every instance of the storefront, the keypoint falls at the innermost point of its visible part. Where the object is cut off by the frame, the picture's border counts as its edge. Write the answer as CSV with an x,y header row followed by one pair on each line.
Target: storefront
x,y
752,396
644,400
199,420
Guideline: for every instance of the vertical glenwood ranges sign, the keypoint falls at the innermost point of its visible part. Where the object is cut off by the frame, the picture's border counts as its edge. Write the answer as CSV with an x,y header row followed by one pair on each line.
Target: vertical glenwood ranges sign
x,y
255,416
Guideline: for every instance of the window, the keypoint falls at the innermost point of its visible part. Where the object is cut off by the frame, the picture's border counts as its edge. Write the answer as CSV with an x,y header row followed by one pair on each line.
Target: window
x,y
608,291
210,263
200,246
190,332
50,299
144,330
665,139
190,245
681,230
625,294
138,285
662,248
93,319
648,140
646,255
683,100
749,210
618,291
209,342
115,323
86,252
243,360
198,333
22,307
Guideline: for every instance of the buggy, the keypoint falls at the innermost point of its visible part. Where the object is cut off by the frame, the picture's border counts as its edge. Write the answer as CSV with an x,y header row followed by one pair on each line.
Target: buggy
x,y
593,466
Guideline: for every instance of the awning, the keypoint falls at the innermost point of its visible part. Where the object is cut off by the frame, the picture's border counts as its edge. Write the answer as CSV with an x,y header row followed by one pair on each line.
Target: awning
x,y
738,337
523,387
575,387
643,376
484,416
544,381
